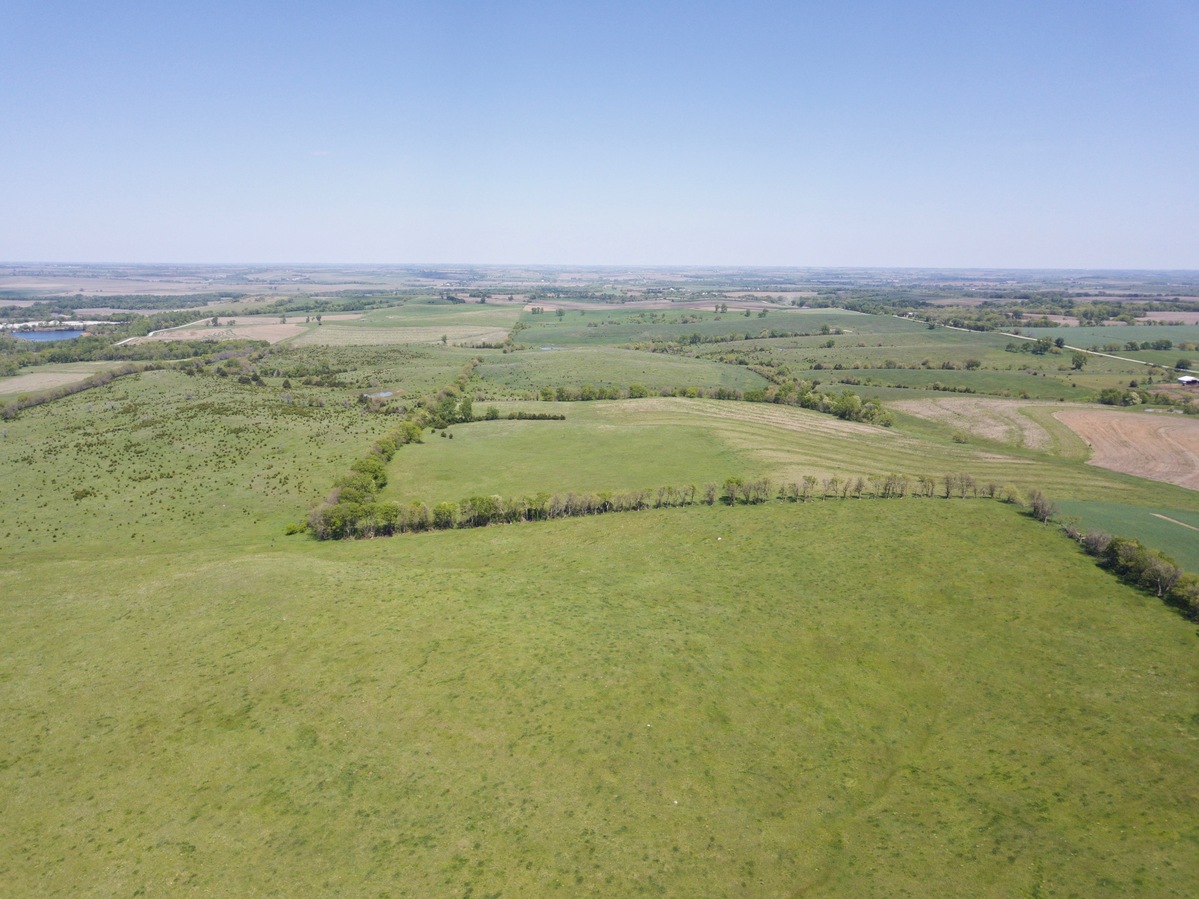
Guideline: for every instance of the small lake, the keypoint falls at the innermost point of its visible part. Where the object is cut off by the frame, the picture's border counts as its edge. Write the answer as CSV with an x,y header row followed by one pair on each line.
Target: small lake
x,y
46,335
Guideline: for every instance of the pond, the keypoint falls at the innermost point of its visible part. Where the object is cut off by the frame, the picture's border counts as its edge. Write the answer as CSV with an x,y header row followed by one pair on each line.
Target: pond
x,y
47,335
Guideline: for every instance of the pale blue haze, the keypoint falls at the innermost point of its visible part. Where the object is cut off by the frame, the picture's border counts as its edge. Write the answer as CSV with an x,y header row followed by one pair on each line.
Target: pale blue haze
x,y
1050,134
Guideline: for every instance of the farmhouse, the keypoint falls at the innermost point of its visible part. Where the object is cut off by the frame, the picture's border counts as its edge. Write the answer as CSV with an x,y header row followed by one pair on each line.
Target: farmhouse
x,y
1188,380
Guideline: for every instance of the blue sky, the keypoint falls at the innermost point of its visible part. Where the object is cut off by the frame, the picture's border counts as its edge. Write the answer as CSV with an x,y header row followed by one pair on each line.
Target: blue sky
x,y
1013,134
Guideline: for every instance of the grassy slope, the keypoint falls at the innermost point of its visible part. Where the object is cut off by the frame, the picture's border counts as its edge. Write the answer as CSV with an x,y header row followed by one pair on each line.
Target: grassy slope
x,y
615,706
656,442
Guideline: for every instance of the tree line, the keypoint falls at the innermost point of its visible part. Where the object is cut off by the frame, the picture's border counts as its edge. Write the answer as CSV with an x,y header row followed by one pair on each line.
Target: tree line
x,y
351,511
10,409
1136,564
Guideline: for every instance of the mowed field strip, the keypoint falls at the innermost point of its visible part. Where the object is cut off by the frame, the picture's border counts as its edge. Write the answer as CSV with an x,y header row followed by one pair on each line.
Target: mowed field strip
x,y
1159,446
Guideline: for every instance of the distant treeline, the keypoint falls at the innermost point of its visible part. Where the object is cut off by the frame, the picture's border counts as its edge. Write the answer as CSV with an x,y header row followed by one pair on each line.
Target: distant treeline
x,y
791,392
45,308
1022,309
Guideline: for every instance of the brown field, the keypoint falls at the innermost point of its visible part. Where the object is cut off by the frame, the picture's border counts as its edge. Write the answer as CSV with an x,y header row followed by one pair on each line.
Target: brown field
x,y
992,419
272,331
1187,318
327,335
56,377
1159,446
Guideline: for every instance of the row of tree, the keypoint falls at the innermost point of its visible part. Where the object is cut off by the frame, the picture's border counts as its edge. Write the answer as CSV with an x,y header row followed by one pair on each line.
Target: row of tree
x,y
26,401
351,510
792,392
348,504
1137,564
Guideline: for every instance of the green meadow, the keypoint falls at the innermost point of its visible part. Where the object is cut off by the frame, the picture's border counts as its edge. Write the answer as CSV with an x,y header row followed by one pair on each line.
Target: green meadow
x,y
516,374
871,697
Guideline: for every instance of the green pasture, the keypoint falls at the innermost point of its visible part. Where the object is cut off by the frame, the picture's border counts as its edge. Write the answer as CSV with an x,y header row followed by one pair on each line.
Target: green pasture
x,y
530,370
157,460
717,702
417,323
1176,540
626,444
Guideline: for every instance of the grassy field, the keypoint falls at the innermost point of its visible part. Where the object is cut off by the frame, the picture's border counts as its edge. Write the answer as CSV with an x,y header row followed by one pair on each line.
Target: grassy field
x,y
416,323
853,698
518,373
624,705
630,444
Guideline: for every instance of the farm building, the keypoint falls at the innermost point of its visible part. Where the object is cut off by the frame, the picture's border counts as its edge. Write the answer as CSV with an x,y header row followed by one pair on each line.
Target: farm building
x,y
1188,380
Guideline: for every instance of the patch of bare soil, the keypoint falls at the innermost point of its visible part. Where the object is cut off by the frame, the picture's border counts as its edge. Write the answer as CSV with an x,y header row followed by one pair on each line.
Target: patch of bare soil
x,y
32,383
993,419
1187,318
1159,446
273,333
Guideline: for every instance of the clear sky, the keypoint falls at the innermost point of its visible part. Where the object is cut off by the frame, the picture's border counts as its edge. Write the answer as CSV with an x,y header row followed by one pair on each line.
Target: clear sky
x,y
862,132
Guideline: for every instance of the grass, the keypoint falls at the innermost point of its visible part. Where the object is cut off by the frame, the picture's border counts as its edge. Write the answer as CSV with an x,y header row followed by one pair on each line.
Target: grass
x,y
612,706
518,373
867,698
416,323
670,441
1143,523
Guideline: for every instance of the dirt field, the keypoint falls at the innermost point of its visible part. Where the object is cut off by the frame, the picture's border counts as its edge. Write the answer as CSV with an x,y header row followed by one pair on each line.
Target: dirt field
x,y
1159,446
272,331
992,419
331,335
1187,318
69,373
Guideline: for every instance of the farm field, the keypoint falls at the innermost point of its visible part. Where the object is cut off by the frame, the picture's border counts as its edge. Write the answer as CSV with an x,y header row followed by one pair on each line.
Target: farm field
x,y
517,373
52,375
1162,447
633,443
1173,531
851,697
417,323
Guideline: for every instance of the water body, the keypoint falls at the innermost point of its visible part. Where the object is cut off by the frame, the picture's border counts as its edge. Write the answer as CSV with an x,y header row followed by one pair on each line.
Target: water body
x,y
43,336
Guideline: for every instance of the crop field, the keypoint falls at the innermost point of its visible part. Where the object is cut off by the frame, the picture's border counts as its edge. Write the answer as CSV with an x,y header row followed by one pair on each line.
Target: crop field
x,y
268,328
1162,447
1173,531
845,697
